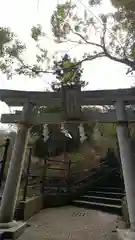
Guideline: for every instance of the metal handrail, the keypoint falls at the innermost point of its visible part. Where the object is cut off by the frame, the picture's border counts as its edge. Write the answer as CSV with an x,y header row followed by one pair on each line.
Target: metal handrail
x,y
81,180
56,161
75,190
90,170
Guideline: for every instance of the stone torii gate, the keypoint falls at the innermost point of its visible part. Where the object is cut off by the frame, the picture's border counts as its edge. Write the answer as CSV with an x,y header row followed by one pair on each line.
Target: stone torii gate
x,y
71,99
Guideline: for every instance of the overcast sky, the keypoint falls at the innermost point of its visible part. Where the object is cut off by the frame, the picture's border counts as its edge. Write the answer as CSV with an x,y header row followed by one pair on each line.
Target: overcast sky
x,y
21,15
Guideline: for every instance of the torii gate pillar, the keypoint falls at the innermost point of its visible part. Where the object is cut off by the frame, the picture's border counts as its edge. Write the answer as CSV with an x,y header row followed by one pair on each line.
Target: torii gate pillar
x,y
127,160
12,184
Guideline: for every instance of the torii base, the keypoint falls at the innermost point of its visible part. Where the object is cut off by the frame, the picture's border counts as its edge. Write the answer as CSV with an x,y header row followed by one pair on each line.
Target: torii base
x,y
125,234
12,230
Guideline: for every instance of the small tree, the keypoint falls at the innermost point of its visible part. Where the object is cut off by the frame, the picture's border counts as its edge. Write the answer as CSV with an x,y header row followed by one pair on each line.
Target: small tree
x,y
64,76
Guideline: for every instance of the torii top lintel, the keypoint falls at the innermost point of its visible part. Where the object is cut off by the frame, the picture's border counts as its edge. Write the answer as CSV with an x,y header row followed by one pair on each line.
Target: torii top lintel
x,y
98,97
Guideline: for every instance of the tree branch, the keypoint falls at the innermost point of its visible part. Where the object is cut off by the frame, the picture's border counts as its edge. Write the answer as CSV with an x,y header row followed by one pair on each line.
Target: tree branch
x,y
125,60
86,41
89,58
104,53
107,54
32,68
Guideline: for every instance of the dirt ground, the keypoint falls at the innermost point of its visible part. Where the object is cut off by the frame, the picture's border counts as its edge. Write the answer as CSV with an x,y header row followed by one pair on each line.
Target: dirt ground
x,y
71,223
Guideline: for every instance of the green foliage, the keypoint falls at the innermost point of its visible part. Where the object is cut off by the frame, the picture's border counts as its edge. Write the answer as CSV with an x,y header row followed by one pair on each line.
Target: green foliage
x,y
60,27
126,15
94,2
107,130
40,148
125,4
68,72
89,130
6,36
115,34
116,31
38,130
56,144
108,137
36,32
10,50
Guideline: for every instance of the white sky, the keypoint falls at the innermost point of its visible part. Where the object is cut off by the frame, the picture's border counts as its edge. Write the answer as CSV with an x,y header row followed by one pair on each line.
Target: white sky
x,y
21,15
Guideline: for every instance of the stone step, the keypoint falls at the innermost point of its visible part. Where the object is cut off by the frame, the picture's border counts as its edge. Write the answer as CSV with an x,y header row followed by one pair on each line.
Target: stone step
x,y
99,199
107,189
116,209
105,194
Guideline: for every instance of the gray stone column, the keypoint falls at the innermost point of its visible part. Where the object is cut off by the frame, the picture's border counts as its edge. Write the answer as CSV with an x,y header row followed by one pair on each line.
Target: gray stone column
x,y
12,184
12,137
127,160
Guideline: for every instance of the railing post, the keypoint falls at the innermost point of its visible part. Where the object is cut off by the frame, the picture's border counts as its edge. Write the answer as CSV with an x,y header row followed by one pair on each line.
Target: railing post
x,y
69,177
127,160
43,177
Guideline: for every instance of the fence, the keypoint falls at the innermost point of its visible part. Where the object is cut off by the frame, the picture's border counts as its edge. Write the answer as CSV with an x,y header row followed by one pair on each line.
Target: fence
x,y
32,181
56,176
50,177
44,177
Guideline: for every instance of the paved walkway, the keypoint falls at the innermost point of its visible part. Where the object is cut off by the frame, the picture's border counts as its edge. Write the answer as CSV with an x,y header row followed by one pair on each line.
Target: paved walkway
x,y
71,223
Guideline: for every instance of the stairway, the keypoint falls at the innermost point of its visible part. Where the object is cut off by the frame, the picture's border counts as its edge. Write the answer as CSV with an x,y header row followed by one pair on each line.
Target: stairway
x,y
107,199
104,194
